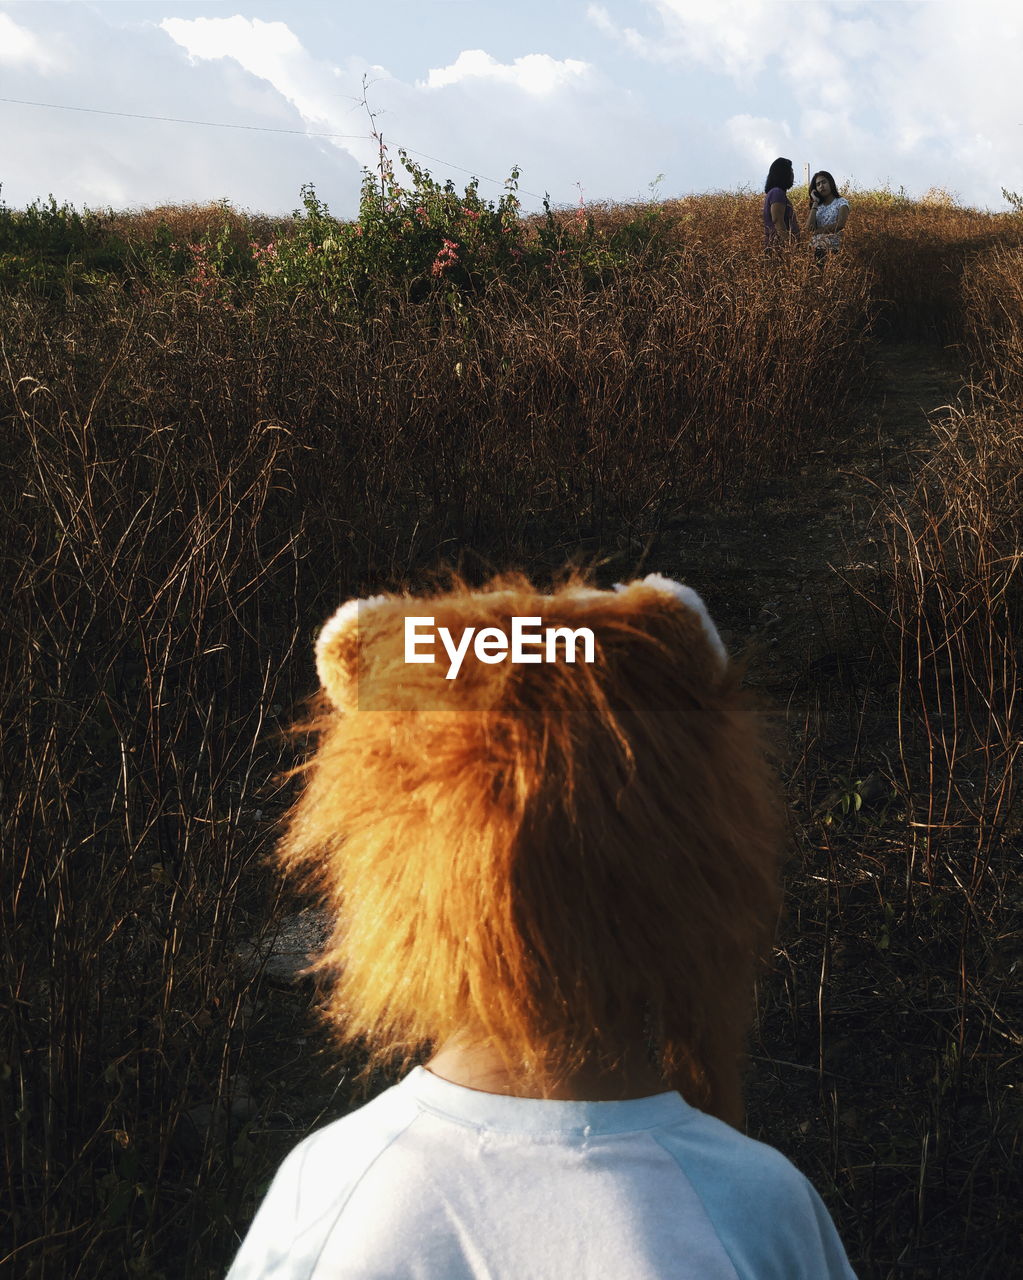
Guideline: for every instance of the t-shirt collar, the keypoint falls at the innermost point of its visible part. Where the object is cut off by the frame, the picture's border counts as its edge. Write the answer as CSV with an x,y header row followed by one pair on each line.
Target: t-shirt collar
x,y
542,1115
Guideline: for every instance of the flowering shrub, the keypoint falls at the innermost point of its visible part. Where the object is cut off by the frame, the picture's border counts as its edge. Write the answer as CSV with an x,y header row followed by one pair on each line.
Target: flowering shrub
x,y
418,234
216,261
428,235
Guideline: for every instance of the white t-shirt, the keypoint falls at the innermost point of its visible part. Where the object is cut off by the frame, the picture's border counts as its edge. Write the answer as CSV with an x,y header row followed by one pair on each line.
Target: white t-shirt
x,y
434,1181
827,217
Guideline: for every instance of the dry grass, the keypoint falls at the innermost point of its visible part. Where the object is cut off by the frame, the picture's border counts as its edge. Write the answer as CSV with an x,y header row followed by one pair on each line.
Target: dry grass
x,y
188,224
916,947
917,254
152,619
190,486
993,314
956,615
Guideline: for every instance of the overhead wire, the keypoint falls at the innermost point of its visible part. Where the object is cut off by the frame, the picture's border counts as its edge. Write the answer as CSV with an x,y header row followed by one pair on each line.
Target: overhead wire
x,y
261,128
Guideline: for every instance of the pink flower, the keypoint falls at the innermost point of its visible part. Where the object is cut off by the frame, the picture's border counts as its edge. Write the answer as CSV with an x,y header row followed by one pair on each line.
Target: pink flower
x,y
446,257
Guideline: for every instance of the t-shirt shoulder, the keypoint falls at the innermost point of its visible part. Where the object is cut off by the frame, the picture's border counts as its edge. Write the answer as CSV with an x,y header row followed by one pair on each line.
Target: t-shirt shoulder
x,y
777,196
362,1134
762,1212
312,1186
768,1216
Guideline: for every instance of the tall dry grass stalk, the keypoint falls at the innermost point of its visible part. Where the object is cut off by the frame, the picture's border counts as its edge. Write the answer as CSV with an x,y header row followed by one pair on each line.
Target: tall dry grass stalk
x,y
434,426
993,318
919,253
925,882
955,544
188,223
150,623
187,485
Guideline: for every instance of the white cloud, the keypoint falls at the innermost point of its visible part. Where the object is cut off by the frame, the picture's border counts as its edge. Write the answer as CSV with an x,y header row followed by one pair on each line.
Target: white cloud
x,y
106,59
535,73
19,47
758,137
271,51
632,39
919,94
738,35
475,111
261,47
922,93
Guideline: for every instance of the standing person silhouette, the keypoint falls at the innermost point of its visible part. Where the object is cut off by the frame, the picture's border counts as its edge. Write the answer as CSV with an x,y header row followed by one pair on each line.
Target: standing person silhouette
x,y
780,224
829,212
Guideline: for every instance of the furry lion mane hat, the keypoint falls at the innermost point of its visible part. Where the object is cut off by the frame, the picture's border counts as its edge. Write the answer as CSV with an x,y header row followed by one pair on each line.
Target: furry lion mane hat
x,y
540,855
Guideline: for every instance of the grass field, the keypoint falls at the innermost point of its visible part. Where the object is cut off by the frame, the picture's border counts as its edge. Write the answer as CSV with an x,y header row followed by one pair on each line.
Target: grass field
x,y
217,427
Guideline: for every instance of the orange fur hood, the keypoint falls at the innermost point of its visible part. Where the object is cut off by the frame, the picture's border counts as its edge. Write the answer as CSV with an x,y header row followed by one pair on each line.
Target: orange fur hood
x,y
538,852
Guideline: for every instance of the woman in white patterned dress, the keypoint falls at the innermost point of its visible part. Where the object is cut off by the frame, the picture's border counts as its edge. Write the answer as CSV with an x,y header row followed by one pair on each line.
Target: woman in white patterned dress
x,y
829,213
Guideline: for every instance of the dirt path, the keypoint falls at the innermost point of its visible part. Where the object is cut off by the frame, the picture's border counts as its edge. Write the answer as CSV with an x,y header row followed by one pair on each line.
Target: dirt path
x,y
772,580
769,575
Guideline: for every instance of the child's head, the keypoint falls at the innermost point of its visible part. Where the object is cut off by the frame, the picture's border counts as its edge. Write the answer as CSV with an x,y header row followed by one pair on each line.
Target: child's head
x,y
542,854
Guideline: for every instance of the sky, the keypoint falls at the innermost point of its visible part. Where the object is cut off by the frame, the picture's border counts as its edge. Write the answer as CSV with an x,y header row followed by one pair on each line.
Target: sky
x,y
618,100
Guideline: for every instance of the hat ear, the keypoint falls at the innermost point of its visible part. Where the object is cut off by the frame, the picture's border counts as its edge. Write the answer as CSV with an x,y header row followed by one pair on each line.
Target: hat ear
x,y
337,652
689,600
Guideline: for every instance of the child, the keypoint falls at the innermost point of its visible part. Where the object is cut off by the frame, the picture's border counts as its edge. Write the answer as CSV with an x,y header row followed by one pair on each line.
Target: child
x,y
549,836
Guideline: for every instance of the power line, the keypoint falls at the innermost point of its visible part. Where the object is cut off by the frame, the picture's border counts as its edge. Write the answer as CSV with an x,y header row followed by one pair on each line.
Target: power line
x,y
259,128
212,124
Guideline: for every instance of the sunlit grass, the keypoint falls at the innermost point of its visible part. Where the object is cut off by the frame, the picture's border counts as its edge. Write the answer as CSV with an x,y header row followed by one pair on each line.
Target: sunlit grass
x,y
200,464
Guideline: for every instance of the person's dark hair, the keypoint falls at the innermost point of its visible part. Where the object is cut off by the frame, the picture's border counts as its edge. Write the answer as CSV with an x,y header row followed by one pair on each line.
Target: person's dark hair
x,y
781,174
823,173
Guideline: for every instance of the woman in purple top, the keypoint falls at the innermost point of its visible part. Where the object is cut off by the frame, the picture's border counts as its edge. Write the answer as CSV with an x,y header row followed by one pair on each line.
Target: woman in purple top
x,y
780,225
